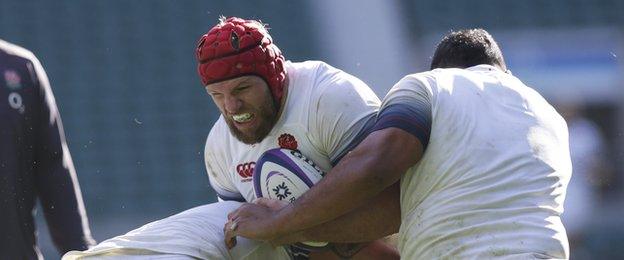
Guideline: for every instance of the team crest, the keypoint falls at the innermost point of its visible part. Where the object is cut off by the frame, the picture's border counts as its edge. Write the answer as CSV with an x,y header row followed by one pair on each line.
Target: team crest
x,y
287,141
12,79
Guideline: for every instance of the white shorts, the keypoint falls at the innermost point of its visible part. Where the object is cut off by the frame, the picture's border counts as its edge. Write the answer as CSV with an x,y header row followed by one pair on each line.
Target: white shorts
x,y
193,234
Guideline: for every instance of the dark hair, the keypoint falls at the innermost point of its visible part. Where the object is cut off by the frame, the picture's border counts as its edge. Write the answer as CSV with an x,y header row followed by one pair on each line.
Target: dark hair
x,y
467,48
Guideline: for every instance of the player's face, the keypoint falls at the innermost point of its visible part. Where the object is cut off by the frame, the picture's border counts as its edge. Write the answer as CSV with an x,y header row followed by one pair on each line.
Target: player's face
x,y
247,106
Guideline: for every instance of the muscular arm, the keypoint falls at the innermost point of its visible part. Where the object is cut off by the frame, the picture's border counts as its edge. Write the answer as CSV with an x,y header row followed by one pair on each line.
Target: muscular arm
x,y
378,162
377,218
403,129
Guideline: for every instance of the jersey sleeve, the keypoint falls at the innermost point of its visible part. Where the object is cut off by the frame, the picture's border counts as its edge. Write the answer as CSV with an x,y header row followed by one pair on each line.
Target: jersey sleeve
x,y
408,106
56,180
343,112
218,176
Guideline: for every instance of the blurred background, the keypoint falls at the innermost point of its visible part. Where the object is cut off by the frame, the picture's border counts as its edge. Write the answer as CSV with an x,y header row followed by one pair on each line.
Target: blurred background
x,y
136,116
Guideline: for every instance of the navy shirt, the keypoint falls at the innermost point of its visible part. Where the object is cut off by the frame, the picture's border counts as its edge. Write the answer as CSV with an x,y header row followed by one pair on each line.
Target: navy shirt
x,y
34,162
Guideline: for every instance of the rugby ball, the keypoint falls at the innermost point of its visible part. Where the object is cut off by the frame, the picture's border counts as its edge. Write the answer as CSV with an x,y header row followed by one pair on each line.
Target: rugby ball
x,y
285,174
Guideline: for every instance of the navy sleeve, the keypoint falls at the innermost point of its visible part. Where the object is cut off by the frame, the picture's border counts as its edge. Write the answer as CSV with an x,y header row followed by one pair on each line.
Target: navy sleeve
x,y
412,116
56,181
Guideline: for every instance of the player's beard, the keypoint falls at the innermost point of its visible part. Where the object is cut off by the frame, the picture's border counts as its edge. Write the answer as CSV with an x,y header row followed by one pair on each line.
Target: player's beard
x,y
267,116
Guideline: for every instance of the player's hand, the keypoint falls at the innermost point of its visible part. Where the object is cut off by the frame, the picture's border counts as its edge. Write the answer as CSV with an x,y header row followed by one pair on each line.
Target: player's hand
x,y
254,221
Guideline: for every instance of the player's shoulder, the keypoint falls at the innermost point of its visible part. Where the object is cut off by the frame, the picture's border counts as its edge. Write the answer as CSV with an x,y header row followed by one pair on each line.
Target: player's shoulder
x,y
317,80
302,78
329,78
16,50
416,82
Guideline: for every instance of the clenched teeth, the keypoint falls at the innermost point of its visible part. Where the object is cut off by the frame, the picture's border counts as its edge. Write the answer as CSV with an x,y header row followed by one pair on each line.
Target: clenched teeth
x,y
242,118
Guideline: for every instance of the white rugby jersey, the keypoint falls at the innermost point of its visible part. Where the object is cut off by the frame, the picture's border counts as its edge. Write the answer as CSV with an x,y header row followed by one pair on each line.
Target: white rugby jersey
x,y
325,114
493,177
196,233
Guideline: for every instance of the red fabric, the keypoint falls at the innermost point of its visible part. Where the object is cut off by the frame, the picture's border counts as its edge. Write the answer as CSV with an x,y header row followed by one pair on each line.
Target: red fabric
x,y
238,47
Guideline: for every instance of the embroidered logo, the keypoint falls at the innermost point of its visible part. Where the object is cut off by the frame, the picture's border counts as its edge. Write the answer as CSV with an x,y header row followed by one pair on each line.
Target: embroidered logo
x,y
287,141
282,191
12,79
16,102
245,170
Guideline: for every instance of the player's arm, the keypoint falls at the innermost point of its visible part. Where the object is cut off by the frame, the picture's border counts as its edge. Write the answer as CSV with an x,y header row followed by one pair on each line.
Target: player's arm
x,y
399,137
378,218
350,234
56,181
379,161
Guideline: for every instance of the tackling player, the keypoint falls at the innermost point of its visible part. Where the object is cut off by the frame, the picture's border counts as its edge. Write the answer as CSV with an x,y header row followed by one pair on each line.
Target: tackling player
x,y
483,162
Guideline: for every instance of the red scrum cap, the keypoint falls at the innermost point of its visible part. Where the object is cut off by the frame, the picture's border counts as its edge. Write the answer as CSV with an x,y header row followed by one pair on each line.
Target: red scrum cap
x,y
237,47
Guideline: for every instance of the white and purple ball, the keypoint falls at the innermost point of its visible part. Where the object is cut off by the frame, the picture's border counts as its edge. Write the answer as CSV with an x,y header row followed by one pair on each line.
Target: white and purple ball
x,y
285,174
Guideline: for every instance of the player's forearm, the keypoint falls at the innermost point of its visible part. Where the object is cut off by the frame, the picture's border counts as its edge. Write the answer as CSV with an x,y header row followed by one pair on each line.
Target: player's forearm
x,y
376,219
375,164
